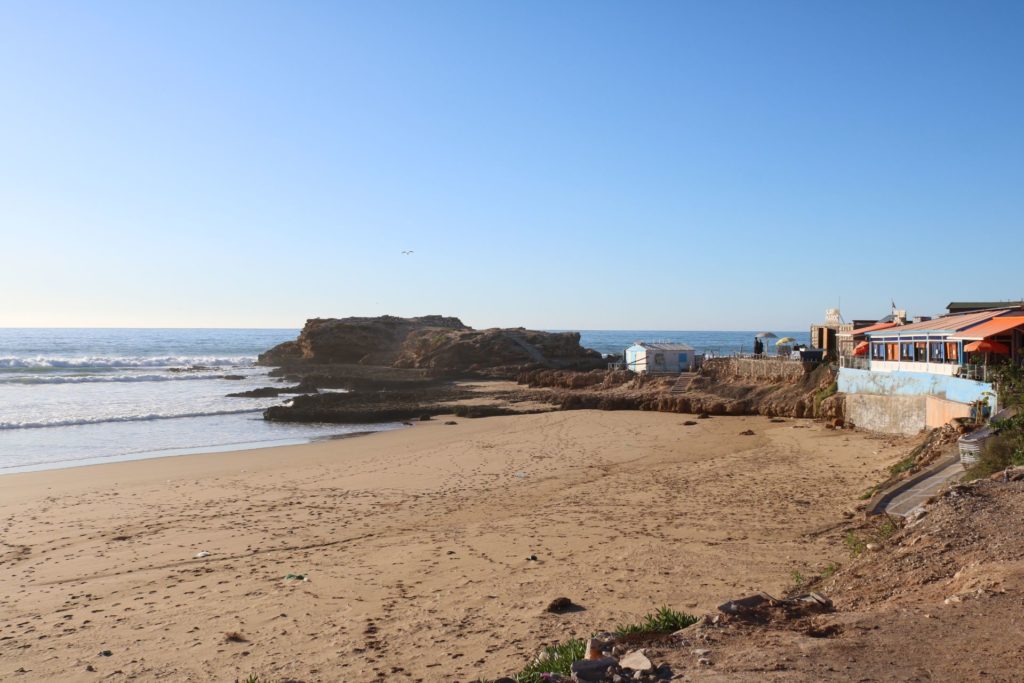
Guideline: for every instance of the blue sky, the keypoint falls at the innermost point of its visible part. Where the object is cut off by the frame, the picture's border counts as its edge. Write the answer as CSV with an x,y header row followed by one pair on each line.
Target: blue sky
x,y
676,165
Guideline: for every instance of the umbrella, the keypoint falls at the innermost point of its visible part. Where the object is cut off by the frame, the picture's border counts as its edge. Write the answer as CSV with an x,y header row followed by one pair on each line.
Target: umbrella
x,y
861,349
765,335
988,345
785,340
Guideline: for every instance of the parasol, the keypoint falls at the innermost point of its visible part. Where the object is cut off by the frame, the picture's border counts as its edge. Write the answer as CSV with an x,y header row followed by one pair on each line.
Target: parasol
x,y
861,349
989,346
785,340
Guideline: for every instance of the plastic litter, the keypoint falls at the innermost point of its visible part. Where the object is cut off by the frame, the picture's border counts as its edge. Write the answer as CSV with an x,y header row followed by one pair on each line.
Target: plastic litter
x,y
202,553
296,577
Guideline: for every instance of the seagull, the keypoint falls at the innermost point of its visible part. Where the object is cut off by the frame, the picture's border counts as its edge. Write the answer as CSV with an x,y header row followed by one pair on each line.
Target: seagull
x,y
407,252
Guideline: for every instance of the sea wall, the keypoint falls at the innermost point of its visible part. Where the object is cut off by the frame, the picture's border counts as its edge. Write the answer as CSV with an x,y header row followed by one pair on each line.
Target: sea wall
x,y
756,369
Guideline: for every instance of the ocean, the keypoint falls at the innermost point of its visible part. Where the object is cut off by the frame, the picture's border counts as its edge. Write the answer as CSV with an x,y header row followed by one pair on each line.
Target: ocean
x,y
82,396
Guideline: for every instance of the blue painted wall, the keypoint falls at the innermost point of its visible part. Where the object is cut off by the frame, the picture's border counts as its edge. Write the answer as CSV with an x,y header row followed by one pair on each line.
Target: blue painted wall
x,y
853,381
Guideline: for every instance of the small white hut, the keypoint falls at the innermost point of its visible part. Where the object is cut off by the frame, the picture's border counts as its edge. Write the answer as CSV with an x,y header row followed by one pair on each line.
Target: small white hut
x,y
661,357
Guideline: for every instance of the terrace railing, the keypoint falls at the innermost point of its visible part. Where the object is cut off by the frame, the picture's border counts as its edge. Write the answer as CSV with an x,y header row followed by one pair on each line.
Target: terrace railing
x,y
855,362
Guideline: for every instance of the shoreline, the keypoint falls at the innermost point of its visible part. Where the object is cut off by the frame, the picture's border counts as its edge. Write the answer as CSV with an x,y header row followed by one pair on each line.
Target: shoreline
x,y
186,451
425,530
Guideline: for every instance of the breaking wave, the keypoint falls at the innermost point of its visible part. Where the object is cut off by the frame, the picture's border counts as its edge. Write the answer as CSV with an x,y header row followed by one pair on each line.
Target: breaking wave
x,y
89,379
57,422
88,362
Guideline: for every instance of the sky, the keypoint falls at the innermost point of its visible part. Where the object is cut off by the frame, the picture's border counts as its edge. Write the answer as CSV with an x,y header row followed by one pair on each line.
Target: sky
x,y
560,165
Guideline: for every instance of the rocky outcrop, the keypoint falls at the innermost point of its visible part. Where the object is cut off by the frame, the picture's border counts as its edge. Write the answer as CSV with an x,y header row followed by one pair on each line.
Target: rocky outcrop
x,y
367,341
440,345
481,350
722,389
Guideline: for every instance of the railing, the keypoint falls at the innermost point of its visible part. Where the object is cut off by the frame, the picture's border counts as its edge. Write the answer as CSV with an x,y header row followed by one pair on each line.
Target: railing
x,y
855,362
980,373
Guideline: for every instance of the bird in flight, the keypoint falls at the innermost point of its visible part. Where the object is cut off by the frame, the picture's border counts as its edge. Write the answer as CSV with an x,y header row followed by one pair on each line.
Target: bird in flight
x,y
406,252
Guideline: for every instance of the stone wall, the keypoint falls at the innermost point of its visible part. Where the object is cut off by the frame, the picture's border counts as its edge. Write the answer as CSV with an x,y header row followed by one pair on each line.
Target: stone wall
x,y
756,369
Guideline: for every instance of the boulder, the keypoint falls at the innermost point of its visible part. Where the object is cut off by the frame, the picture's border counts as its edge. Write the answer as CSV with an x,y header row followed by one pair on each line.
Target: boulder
x,y
592,670
636,660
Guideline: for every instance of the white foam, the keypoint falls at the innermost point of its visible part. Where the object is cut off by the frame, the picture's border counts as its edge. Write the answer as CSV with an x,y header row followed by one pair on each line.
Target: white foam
x,y
89,379
61,362
59,422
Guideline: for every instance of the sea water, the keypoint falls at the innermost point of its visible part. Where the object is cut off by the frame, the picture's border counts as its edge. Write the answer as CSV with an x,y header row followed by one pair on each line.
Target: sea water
x,y
82,396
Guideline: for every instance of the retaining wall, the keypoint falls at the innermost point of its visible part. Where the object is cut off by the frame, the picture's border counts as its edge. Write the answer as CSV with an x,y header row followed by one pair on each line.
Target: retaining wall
x,y
905,415
756,369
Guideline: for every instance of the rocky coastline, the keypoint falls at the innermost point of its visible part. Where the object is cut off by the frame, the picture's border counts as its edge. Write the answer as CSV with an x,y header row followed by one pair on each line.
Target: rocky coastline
x,y
397,369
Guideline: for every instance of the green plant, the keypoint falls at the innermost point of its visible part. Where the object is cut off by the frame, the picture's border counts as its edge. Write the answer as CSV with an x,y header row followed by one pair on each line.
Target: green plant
x,y
798,578
886,529
855,543
907,462
1000,452
821,394
664,620
829,570
555,659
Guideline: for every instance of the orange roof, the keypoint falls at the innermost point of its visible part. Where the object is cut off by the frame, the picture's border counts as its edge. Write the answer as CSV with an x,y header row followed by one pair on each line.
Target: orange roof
x,y
992,327
872,328
947,323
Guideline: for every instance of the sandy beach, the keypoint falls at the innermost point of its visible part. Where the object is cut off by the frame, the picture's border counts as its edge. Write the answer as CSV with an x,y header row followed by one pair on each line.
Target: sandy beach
x,y
415,543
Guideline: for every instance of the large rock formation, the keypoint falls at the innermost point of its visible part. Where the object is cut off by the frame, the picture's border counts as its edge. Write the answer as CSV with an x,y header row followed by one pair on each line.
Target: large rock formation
x,y
367,341
455,350
435,343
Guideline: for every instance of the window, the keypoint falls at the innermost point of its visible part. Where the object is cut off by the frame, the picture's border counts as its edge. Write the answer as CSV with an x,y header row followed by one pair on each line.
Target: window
x,y
921,352
938,352
892,351
878,351
906,351
952,352
659,359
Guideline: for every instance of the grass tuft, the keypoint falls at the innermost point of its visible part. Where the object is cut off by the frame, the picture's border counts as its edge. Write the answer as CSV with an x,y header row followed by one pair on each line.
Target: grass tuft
x,y
555,659
665,620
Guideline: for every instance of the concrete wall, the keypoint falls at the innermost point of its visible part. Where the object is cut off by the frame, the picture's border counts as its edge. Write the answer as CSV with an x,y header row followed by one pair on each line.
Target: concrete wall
x,y
905,415
957,389
939,411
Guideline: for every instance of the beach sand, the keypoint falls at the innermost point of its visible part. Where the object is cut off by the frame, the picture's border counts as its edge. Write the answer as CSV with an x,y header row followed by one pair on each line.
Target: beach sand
x,y
415,543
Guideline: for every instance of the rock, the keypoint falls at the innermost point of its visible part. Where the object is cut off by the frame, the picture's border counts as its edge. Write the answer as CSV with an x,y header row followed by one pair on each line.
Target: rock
x,y
594,649
636,660
689,423
425,418
592,670
232,377
700,652
90,667
747,432
451,422
559,605
432,342
505,679
271,392
703,416
873,546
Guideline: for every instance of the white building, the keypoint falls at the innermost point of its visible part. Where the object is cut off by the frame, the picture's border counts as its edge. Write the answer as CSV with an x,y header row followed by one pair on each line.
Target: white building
x,y
654,357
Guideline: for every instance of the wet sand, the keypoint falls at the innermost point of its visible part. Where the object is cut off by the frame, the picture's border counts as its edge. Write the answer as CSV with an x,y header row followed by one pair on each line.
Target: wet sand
x,y
415,543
